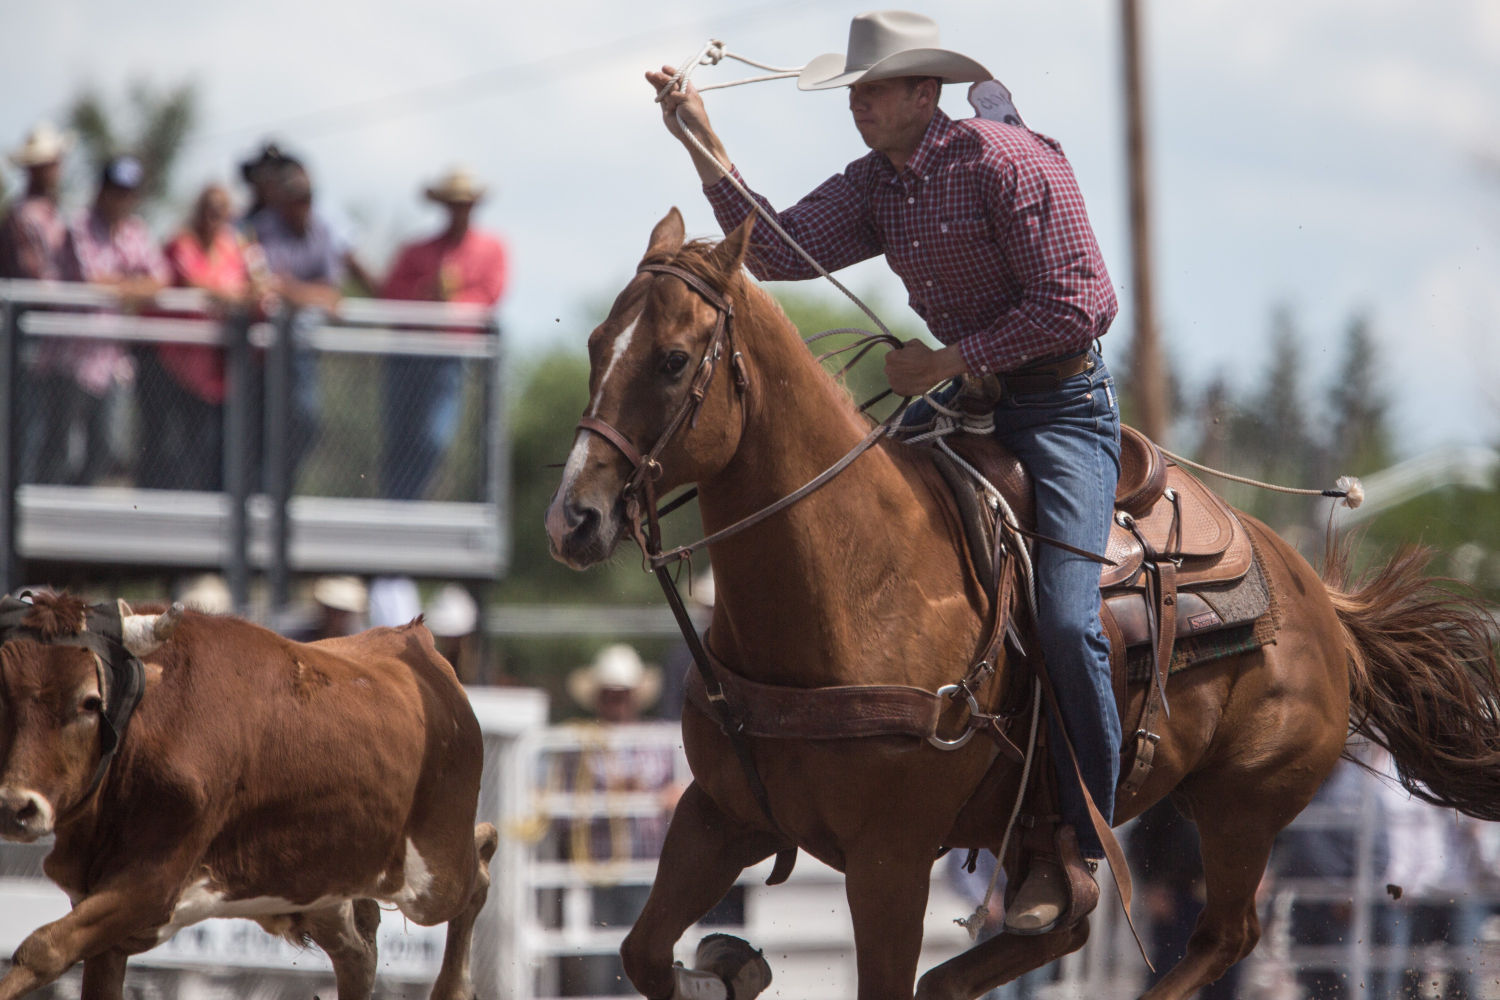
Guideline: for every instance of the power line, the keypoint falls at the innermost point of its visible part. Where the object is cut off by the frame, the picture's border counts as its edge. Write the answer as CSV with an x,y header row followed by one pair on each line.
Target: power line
x,y
520,76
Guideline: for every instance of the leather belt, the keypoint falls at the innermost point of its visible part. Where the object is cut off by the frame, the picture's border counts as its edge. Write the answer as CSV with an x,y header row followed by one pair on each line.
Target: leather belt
x,y
1048,374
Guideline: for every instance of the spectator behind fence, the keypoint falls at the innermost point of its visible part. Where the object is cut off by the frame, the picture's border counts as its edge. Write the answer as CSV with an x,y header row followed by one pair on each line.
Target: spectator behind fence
x,y
1322,864
340,604
77,379
616,688
452,617
260,175
423,394
305,264
1437,897
33,231
182,386
1167,863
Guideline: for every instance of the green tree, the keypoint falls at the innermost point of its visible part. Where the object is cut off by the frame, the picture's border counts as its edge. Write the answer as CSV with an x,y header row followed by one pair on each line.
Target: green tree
x,y
1360,435
154,127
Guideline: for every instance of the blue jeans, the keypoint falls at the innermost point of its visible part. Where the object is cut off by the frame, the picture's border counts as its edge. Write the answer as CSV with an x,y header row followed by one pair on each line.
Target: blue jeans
x,y
422,398
1069,439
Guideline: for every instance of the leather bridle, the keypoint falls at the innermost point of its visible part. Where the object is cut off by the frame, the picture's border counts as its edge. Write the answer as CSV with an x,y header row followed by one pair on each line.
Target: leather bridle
x,y
639,491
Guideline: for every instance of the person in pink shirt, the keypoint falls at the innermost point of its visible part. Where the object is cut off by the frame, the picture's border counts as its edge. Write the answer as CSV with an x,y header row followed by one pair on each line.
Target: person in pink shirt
x,y
182,385
423,394
76,378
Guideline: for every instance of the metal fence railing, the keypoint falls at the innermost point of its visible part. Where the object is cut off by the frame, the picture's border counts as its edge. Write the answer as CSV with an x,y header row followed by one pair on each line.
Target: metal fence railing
x,y
372,440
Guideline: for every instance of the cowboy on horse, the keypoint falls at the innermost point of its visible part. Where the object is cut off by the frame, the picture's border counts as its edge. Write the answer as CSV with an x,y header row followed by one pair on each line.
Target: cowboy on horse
x,y
984,223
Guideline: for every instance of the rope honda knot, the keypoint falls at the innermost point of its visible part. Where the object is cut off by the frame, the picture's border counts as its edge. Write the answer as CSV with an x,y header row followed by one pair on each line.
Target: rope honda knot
x,y
713,54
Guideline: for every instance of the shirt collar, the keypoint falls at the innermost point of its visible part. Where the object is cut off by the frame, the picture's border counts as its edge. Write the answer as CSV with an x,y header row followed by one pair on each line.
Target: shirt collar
x,y
934,141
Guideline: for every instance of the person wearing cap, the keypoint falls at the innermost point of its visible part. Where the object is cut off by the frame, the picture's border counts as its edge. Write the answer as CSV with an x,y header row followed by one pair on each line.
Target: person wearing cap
x,y
32,232
110,246
984,223
259,174
423,394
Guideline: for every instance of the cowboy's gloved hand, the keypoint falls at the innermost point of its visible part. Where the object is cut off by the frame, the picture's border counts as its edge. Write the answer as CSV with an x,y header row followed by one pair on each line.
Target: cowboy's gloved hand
x,y
914,367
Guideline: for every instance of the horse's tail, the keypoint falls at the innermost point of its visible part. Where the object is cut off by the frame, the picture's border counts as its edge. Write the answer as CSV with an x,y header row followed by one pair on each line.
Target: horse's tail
x,y
1423,679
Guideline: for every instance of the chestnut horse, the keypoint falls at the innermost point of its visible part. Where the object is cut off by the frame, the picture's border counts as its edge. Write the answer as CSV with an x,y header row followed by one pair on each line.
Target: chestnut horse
x,y
865,582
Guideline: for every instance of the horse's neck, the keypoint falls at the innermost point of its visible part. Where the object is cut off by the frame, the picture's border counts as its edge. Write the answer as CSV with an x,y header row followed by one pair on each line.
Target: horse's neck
x,y
833,588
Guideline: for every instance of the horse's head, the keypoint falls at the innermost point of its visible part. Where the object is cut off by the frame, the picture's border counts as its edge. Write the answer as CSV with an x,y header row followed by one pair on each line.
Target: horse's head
x,y
664,392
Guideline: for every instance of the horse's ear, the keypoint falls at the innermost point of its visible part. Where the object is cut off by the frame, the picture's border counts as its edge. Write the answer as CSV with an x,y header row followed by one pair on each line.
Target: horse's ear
x,y
667,237
729,255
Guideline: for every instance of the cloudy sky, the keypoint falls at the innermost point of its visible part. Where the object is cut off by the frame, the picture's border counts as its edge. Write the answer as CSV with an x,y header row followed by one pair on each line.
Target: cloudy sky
x,y
1325,155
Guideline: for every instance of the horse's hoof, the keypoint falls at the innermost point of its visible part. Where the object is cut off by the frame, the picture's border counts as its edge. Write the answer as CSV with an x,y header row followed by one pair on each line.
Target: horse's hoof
x,y
744,969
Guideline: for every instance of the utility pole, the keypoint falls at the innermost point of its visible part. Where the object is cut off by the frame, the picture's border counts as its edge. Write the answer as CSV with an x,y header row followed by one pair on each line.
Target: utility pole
x,y
1147,370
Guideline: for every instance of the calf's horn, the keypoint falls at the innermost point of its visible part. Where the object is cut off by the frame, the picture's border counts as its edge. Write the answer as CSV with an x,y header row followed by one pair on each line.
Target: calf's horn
x,y
143,634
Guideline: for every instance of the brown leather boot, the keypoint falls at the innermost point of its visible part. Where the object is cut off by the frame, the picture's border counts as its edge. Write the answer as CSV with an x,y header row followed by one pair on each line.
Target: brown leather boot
x,y
1058,890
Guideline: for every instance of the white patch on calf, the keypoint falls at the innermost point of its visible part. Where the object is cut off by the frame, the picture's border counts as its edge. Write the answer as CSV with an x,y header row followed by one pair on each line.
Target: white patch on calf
x,y
418,879
200,901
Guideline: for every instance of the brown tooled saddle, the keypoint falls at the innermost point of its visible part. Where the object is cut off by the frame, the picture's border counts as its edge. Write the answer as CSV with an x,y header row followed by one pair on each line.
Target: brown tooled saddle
x,y
1185,585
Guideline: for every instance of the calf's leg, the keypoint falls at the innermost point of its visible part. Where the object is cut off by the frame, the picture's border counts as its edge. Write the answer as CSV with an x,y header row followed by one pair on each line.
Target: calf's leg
x,y
347,933
104,976
453,981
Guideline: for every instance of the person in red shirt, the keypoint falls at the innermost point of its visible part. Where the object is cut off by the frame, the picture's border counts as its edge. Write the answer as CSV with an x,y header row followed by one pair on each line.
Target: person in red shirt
x,y
423,394
182,385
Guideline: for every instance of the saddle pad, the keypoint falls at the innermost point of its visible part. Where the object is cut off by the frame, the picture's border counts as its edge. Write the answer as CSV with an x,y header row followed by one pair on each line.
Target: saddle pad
x,y
1249,616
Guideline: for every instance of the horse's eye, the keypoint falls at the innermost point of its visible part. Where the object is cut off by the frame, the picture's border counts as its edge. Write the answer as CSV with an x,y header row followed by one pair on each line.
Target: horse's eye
x,y
92,703
675,363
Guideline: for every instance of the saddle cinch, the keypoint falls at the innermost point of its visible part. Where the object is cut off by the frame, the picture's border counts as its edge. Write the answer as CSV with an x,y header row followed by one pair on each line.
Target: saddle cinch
x,y
1185,586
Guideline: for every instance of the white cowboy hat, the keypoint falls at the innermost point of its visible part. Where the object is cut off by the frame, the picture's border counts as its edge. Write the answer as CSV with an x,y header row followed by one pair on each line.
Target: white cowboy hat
x,y
342,593
885,44
457,186
44,144
207,592
452,612
617,666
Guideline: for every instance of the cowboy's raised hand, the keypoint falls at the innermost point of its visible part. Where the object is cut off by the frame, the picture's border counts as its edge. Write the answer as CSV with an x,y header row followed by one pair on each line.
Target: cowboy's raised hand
x,y
682,97
683,101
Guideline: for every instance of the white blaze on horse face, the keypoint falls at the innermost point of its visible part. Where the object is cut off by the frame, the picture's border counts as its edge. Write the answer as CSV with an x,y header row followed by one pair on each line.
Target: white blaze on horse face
x,y
621,345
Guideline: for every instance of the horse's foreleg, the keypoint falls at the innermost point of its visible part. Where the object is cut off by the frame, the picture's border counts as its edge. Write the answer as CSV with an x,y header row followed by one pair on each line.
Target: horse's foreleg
x,y
887,901
704,853
998,960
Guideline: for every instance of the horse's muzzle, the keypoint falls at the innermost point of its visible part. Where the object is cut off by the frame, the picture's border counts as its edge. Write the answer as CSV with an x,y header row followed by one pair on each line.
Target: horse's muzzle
x,y
580,534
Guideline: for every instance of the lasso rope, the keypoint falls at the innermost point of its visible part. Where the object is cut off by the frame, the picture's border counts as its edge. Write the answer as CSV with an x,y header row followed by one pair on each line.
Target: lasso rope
x,y
1347,488
711,54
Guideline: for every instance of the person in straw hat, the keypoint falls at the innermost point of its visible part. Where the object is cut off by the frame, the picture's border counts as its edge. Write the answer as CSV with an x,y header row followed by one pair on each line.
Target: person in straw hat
x,y
617,686
984,223
459,264
32,233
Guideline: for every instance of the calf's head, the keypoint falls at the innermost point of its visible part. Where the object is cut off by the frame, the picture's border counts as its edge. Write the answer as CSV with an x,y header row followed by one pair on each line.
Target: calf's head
x,y
54,695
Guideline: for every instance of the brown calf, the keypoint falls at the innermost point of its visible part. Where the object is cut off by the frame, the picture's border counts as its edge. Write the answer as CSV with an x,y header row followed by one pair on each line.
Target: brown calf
x,y
297,784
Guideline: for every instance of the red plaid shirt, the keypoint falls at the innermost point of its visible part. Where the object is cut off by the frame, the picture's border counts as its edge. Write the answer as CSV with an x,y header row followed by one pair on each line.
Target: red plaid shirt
x,y
985,226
